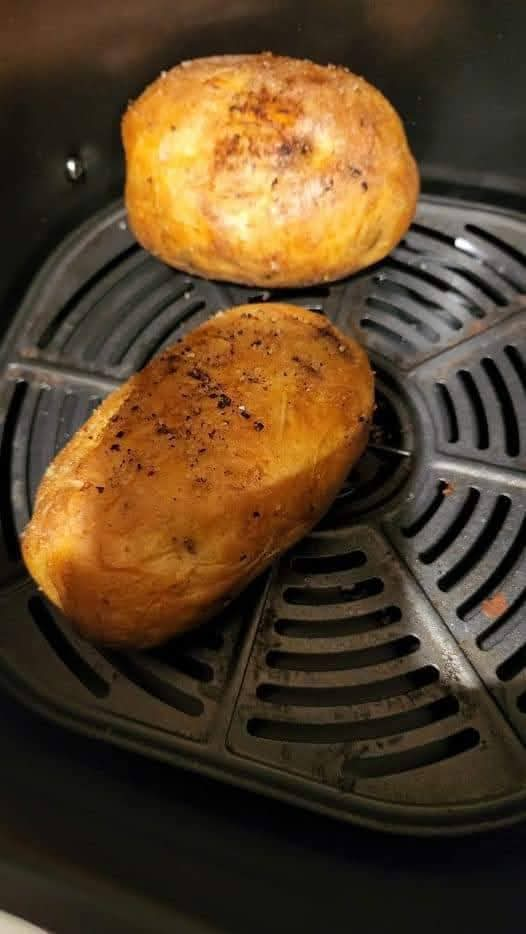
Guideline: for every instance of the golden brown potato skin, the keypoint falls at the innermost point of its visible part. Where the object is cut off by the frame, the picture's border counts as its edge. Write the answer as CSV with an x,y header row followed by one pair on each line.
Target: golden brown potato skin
x,y
188,480
267,171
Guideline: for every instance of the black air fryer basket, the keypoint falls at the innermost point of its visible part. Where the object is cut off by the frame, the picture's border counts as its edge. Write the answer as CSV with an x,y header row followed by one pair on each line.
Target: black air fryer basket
x,y
378,672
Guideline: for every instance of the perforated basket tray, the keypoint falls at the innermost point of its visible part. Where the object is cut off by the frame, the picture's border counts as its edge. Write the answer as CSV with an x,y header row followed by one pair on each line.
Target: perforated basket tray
x,y
378,673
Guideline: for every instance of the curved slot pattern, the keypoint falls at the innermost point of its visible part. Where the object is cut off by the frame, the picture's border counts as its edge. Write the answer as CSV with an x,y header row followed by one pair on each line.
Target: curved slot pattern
x,y
477,407
501,245
498,297
399,281
63,648
471,249
447,410
451,287
433,234
7,518
405,285
514,356
372,473
392,338
96,286
421,327
385,465
328,564
429,512
343,661
208,637
43,437
506,623
374,728
334,628
513,665
124,307
500,256
453,531
417,758
331,596
193,667
508,563
348,696
474,554
155,339
480,546
150,679
505,402
144,313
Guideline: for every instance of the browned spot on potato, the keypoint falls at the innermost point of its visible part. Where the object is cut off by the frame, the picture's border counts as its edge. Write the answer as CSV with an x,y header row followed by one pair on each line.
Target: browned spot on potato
x,y
261,104
495,606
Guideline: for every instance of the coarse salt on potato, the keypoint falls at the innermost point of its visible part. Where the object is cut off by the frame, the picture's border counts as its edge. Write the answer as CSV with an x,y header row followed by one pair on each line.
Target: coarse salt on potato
x,y
267,170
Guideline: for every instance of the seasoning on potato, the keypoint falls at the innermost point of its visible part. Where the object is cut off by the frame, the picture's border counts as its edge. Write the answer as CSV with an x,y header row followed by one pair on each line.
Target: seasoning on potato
x,y
266,170
194,475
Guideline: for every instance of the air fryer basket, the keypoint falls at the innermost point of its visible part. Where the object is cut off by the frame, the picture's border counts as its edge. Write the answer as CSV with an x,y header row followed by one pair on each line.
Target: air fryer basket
x,y
378,673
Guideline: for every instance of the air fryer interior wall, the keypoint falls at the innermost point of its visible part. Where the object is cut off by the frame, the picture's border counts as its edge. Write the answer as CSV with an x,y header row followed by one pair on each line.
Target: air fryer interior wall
x,y
455,71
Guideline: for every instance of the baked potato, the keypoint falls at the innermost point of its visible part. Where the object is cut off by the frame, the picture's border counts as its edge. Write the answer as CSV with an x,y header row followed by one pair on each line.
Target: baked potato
x,y
189,479
267,171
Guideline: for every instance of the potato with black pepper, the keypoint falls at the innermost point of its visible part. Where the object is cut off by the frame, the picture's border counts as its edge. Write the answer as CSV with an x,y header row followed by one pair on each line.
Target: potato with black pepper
x,y
267,170
189,479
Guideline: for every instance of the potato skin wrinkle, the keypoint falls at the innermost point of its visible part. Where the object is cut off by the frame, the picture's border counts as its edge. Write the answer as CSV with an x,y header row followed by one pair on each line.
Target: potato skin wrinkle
x,y
194,475
267,171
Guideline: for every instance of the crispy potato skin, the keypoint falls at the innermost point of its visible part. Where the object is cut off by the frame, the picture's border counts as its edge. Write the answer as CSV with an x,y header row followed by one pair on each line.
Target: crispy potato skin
x,y
189,479
267,171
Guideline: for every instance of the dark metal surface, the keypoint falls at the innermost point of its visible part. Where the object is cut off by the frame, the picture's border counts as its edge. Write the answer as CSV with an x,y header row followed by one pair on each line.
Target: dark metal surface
x,y
379,674
95,833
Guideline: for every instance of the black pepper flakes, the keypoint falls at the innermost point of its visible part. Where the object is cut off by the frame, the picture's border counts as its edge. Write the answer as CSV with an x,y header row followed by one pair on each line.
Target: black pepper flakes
x,y
120,434
189,544
365,186
115,447
100,489
151,472
256,515
224,401
135,408
258,426
199,375
245,414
